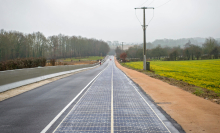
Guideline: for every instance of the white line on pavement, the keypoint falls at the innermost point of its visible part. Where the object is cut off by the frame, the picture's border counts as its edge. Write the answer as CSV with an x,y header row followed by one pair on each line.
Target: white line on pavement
x,y
112,111
145,100
67,106
73,107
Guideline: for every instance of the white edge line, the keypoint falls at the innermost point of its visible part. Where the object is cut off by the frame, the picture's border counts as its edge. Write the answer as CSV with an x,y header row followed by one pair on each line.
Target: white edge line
x,y
112,111
77,102
74,106
67,106
145,101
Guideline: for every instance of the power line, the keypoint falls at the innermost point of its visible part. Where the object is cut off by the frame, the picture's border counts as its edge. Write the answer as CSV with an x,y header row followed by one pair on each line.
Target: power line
x,y
144,2
137,17
151,18
163,4
144,35
151,3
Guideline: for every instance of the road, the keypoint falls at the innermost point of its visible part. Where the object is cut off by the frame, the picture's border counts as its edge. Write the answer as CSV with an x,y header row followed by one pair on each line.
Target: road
x,y
33,110
111,103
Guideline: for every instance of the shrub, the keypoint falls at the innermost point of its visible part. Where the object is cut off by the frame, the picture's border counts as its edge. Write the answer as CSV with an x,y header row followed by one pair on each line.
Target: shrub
x,y
123,56
52,62
44,61
22,63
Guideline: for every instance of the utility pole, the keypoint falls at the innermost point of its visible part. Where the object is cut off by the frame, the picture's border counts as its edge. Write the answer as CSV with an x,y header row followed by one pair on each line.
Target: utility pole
x,y
144,36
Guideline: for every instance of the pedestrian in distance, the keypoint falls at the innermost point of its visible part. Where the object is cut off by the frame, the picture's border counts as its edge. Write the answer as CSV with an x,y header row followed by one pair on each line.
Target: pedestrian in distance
x,y
100,63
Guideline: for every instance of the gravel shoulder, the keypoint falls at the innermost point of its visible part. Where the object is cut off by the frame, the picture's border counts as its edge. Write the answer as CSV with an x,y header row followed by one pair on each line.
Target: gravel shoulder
x,y
193,113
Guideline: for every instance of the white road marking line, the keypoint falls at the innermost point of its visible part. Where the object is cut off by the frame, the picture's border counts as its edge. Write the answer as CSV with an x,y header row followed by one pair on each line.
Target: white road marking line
x,y
74,106
67,106
112,113
146,102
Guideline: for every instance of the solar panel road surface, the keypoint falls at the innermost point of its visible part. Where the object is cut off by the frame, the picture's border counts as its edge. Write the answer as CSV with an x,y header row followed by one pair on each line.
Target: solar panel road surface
x,y
113,103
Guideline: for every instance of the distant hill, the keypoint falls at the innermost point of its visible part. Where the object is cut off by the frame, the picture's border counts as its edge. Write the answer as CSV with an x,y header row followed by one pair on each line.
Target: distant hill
x,y
162,42
179,42
114,44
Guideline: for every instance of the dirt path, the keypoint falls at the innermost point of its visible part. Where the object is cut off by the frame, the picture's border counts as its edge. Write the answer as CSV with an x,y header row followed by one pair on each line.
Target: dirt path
x,y
194,114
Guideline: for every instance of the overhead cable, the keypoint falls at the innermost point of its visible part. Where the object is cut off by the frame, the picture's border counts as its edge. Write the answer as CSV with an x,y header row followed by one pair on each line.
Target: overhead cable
x,y
163,4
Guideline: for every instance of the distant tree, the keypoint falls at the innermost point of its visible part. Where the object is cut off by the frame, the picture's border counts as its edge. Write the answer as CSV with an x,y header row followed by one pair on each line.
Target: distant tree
x,y
178,49
15,44
158,52
118,51
167,50
209,45
132,51
215,52
173,55
186,53
140,53
123,56
198,52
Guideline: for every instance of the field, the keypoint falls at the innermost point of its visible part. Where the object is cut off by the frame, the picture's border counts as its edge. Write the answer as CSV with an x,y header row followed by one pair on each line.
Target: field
x,y
89,58
77,60
203,73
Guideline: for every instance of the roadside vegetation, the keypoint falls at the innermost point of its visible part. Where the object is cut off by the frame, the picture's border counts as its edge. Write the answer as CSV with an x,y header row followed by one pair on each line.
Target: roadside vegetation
x,y
75,60
14,44
205,93
88,58
19,50
202,73
210,49
192,68
22,63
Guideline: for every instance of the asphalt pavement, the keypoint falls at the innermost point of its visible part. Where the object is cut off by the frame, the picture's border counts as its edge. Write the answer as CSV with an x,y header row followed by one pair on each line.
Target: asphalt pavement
x,y
100,100
113,103
32,111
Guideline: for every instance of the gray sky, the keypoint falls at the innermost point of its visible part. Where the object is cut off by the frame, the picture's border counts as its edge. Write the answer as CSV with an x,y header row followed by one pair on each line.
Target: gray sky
x,y
112,20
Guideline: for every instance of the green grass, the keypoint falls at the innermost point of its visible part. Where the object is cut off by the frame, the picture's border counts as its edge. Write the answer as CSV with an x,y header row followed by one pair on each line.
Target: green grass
x,y
198,92
85,59
203,73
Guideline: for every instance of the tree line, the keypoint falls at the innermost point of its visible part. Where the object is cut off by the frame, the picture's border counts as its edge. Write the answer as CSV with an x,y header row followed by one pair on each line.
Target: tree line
x,y
178,42
210,49
14,44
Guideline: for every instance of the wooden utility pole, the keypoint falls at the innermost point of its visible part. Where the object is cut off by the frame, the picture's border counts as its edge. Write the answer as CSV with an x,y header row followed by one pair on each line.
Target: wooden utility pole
x,y
144,36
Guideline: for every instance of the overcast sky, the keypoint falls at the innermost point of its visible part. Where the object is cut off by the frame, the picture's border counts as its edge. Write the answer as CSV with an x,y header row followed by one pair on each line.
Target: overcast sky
x,y
112,20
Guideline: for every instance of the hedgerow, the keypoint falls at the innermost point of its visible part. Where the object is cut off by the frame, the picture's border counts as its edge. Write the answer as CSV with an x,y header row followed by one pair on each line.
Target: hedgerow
x,y
22,63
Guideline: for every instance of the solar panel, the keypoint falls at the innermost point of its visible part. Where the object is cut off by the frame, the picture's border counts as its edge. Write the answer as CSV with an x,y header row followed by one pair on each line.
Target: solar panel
x,y
130,112
93,112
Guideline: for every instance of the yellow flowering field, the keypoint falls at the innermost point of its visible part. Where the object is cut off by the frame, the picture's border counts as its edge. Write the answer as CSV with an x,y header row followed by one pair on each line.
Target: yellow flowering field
x,y
203,73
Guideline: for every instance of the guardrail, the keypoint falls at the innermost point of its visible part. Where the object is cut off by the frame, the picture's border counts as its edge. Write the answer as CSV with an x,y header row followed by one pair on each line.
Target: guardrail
x,y
12,78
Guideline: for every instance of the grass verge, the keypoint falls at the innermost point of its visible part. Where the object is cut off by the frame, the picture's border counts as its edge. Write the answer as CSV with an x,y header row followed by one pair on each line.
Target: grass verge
x,y
89,58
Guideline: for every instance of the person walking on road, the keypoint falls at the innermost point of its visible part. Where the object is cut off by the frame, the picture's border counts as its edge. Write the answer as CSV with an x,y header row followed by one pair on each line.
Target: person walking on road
x,y
100,63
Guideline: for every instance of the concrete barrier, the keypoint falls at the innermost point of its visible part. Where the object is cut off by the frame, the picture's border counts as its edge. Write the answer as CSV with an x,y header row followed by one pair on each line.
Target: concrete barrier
x,y
14,78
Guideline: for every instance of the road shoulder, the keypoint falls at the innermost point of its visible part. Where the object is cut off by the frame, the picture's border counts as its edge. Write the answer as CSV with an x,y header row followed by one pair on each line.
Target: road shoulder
x,y
193,113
